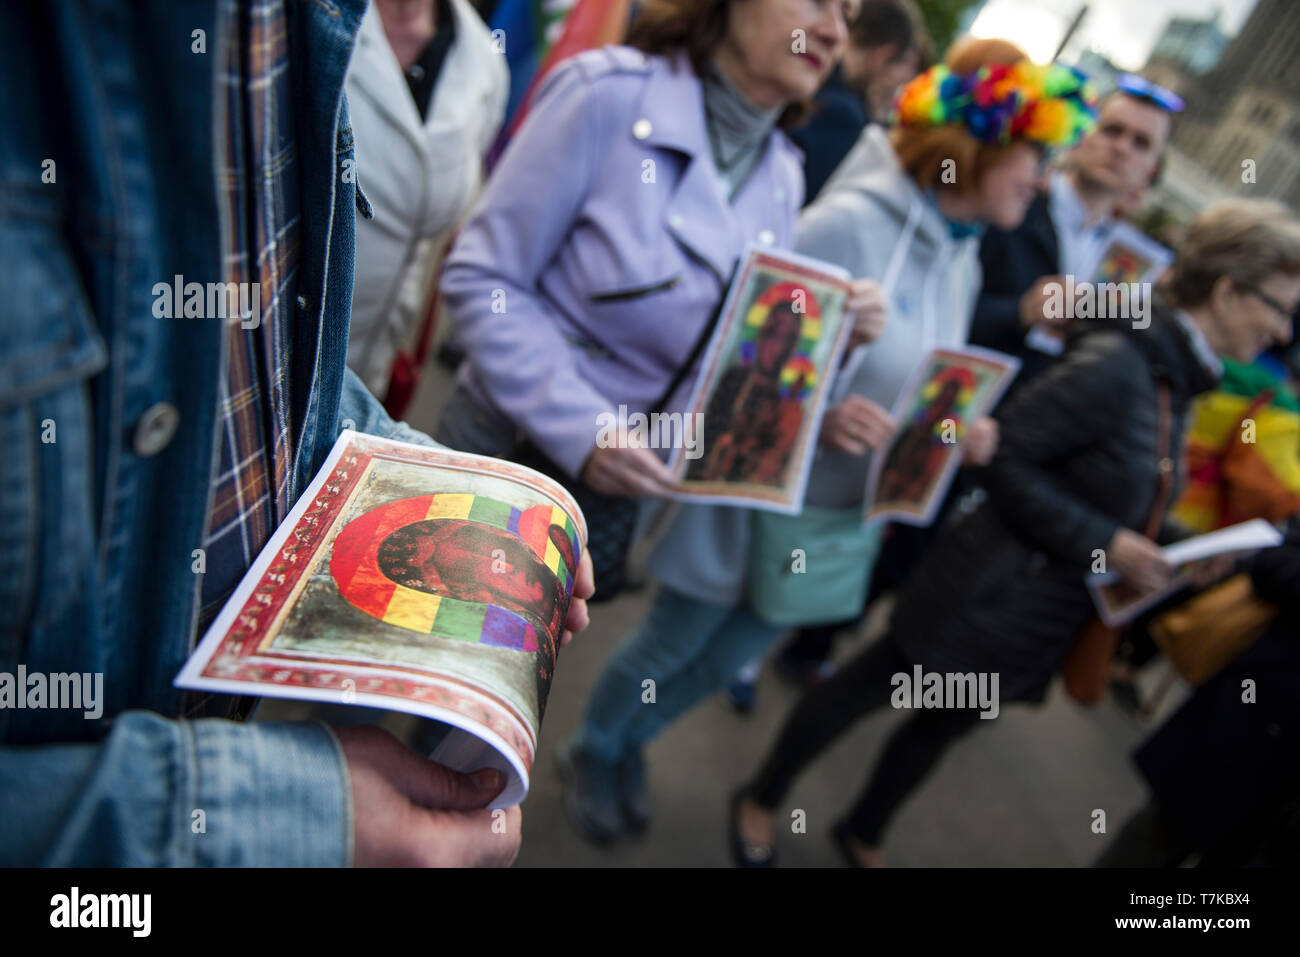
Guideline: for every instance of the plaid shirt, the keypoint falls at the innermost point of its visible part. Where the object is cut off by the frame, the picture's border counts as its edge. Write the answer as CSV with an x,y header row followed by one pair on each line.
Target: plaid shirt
x,y
258,184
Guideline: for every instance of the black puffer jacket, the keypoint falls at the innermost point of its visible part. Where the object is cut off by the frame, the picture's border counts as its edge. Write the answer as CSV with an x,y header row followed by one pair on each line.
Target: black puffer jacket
x,y
1003,590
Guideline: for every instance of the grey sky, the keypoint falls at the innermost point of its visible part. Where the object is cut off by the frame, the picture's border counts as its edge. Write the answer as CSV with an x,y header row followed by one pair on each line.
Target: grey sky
x,y
1123,30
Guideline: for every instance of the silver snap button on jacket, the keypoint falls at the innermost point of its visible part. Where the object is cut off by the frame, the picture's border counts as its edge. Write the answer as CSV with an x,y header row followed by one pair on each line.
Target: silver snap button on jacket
x,y
155,429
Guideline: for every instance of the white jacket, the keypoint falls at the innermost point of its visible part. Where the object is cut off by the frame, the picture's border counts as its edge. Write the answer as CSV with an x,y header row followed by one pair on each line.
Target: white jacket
x,y
421,177
873,220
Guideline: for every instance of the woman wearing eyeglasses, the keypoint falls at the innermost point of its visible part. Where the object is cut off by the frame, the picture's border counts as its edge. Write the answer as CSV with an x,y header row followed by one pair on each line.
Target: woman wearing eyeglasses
x,y
1077,473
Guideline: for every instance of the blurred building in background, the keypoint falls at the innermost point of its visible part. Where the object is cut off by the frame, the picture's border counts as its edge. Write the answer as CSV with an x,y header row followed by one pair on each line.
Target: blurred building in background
x,y
1100,70
1242,123
1187,49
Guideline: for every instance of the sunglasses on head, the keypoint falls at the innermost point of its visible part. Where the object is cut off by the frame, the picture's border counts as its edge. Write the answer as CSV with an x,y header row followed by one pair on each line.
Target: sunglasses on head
x,y
1143,89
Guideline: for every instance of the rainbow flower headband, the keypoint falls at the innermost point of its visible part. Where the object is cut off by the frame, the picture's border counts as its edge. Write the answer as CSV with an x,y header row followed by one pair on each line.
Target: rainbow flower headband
x,y
1053,105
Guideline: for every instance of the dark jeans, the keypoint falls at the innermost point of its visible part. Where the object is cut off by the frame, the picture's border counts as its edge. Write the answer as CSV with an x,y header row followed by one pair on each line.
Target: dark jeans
x,y
860,687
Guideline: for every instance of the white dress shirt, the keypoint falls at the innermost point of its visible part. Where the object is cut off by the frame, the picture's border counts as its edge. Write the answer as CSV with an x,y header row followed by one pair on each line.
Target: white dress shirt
x,y
1081,242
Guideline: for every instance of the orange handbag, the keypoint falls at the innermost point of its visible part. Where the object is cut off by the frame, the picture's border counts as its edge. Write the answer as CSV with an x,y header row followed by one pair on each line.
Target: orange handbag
x,y
1206,634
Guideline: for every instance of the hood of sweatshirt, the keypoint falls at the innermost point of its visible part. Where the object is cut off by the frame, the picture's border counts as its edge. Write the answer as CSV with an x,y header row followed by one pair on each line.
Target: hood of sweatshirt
x,y
871,171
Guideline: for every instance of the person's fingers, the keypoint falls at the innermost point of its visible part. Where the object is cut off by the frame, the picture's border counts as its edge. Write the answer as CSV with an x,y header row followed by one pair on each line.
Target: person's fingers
x,y
879,426
1152,568
864,287
1152,555
857,421
981,440
1155,579
431,785
593,472
646,486
628,473
644,470
865,308
1143,577
599,481
852,403
845,442
584,586
578,619
865,414
868,326
876,410
852,425
879,418
878,438
479,838
584,583
1162,570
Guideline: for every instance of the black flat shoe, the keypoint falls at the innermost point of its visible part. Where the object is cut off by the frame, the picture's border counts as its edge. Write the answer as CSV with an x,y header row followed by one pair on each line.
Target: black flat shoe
x,y
634,795
743,853
840,837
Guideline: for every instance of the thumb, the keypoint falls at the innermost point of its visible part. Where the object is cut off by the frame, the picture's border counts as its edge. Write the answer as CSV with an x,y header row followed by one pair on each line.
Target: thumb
x,y
433,785
650,465
466,839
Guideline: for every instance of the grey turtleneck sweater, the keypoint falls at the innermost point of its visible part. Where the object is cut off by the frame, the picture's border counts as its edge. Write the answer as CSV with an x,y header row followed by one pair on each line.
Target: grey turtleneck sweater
x,y
738,129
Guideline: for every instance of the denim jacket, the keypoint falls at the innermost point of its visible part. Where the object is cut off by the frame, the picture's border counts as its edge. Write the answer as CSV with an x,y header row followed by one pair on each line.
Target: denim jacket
x,y
107,187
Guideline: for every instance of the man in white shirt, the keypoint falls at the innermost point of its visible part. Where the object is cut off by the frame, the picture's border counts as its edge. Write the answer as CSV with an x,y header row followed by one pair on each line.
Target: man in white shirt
x,y
1066,230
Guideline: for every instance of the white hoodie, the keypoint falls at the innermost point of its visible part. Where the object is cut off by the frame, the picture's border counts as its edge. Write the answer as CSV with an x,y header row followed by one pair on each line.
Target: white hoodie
x,y
872,219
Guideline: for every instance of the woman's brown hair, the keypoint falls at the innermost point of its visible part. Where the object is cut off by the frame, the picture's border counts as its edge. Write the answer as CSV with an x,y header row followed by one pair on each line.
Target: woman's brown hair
x,y
696,27
923,151
1246,240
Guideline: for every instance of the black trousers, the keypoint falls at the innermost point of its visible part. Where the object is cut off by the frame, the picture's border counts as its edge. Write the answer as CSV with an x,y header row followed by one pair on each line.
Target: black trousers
x,y
860,687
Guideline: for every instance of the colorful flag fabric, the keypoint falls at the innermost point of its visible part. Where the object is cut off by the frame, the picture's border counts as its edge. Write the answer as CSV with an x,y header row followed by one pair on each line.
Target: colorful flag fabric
x,y
529,28
541,33
1243,452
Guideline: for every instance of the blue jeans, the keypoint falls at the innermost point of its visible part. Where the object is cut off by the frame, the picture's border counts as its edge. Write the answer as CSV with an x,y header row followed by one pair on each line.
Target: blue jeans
x,y
689,649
